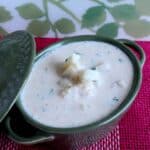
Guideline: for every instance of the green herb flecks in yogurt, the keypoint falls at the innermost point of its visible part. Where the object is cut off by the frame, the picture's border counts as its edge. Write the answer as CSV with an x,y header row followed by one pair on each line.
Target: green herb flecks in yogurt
x,y
120,60
89,91
115,99
51,91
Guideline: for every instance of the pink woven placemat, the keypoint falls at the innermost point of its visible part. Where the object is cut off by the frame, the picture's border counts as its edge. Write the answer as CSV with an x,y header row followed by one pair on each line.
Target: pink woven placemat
x,y
133,131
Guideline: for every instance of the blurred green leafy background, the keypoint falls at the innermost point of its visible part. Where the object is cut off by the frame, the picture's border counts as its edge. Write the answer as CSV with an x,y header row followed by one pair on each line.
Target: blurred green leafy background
x,y
126,17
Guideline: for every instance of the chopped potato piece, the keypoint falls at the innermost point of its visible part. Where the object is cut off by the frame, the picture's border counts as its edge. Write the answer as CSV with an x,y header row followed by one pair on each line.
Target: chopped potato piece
x,y
72,65
89,75
121,83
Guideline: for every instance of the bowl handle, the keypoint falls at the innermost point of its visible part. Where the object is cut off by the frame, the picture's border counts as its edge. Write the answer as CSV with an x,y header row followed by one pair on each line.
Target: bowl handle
x,y
136,47
39,137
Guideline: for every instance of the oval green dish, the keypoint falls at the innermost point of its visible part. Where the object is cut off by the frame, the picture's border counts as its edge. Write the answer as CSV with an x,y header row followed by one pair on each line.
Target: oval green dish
x,y
79,136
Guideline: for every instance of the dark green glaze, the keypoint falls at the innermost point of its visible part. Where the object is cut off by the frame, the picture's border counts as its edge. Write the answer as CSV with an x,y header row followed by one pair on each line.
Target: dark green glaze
x,y
86,134
17,125
136,47
16,55
66,141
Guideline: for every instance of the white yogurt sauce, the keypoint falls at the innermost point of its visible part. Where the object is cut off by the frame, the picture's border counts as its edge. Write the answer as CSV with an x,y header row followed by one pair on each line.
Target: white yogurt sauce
x,y
41,97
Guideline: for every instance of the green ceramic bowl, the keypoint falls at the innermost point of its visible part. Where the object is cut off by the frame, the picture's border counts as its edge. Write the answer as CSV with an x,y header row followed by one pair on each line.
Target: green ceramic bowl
x,y
80,136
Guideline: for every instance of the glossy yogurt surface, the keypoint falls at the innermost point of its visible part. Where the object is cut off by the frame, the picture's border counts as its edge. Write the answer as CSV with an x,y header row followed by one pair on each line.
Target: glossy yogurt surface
x,y
41,97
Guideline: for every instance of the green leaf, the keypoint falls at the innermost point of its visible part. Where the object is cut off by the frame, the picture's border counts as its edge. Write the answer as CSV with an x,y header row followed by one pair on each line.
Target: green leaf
x,y
29,11
38,28
143,6
109,30
137,28
65,26
94,16
4,14
113,0
124,12
2,31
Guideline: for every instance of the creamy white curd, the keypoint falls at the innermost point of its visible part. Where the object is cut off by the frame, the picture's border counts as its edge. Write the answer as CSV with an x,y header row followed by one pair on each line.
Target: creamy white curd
x,y
77,84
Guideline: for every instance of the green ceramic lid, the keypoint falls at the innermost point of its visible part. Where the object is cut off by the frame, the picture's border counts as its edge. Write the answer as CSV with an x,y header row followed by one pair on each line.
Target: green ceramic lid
x,y
17,51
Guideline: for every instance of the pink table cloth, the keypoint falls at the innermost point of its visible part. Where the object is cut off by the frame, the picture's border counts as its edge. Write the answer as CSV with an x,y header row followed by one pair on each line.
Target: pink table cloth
x,y
132,132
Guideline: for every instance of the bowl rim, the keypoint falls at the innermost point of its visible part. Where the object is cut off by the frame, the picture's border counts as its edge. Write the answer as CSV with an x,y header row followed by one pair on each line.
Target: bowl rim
x,y
114,115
